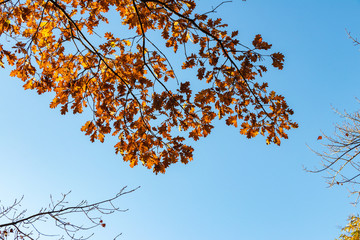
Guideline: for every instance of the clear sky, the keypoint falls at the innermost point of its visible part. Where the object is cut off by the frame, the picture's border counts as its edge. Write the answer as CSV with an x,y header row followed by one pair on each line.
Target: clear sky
x,y
235,188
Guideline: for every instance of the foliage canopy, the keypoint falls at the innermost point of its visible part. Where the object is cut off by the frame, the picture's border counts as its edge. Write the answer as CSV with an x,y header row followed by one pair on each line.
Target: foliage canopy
x,y
129,83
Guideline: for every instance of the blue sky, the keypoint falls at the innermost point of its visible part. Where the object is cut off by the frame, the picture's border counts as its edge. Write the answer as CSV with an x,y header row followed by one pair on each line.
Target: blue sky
x,y
235,188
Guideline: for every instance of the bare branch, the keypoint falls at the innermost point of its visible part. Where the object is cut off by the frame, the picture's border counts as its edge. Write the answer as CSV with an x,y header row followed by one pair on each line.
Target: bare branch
x,y
21,227
342,149
355,40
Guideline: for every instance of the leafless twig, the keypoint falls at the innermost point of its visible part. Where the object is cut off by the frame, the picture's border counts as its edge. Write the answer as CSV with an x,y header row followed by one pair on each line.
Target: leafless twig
x,y
20,226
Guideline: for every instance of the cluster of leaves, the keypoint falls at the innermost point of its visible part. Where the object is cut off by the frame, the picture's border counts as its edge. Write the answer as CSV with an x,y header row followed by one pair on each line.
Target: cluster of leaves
x,y
352,230
128,81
